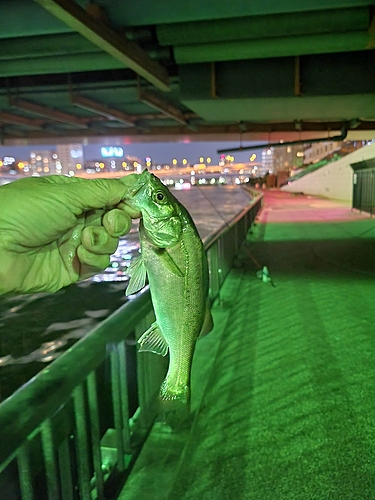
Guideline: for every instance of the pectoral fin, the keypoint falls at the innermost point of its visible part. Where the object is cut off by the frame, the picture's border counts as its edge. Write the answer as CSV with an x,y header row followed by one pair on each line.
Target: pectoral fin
x,y
168,262
208,323
153,340
137,273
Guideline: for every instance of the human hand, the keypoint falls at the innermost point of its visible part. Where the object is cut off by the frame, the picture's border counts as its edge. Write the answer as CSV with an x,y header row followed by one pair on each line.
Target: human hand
x,y
57,230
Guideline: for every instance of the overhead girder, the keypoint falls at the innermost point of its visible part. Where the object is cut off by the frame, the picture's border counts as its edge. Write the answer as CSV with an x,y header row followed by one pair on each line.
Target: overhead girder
x,y
286,129
273,26
276,35
48,54
73,63
53,114
170,11
239,64
153,100
45,46
273,47
101,109
328,87
8,118
109,40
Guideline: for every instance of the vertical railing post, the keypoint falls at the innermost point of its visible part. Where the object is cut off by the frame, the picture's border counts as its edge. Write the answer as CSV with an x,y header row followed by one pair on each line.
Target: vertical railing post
x,y
24,471
95,434
50,460
81,445
124,401
117,410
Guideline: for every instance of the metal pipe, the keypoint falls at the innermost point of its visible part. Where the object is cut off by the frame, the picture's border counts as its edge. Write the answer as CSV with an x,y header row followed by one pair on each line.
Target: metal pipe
x,y
341,137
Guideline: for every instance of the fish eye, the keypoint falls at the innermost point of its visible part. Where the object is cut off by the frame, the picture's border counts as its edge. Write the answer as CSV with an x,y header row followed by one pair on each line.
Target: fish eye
x,y
160,196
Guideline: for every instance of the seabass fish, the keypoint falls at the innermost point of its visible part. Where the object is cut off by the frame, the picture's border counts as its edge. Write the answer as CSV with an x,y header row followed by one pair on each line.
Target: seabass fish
x,y
175,262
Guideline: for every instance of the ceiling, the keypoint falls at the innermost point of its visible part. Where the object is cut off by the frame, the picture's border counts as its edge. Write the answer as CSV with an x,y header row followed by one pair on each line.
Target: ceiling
x,y
165,70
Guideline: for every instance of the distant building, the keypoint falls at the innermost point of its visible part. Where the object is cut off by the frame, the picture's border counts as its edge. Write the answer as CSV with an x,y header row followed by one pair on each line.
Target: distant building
x,y
319,150
43,162
288,157
325,150
267,160
70,156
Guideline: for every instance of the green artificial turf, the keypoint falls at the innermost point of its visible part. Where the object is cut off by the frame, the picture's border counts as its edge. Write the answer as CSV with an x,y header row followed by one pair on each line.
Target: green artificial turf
x,y
289,408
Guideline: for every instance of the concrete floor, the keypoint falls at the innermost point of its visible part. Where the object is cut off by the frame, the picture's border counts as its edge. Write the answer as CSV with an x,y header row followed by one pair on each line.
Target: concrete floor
x,y
284,387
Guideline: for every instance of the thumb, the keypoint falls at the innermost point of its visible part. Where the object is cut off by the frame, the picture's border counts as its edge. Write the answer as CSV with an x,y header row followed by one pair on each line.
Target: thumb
x,y
89,194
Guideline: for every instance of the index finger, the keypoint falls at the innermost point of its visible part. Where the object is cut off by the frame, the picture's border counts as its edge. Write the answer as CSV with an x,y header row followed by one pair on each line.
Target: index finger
x,y
88,194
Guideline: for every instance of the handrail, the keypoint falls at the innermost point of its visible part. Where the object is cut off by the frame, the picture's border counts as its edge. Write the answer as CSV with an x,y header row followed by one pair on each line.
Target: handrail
x,y
213,237
62,375
63,402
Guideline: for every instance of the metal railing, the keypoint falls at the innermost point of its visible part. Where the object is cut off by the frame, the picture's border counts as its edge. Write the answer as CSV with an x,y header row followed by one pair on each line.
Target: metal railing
x,y
364,186
74,430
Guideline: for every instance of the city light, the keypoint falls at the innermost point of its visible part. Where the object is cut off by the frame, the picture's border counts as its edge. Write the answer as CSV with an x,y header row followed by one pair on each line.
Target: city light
x,y
111,152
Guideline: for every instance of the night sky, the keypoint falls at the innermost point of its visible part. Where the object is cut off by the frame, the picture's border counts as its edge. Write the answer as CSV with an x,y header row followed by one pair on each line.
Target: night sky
x,y
158,152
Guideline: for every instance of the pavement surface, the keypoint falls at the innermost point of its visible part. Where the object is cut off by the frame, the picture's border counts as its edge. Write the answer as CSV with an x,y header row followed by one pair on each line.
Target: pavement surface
x,y
284,387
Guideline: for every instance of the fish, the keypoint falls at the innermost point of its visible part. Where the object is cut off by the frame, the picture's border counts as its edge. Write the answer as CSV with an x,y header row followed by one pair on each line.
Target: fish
x,y
174,261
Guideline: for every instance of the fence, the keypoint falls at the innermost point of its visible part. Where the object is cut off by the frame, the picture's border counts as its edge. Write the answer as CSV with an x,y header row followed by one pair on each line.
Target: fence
x,y
364,186
74,431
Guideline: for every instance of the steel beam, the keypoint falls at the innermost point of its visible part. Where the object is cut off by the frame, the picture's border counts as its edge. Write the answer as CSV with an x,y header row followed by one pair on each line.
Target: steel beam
x,y
156,102
110,41
101,109
252,130
38,109
20,120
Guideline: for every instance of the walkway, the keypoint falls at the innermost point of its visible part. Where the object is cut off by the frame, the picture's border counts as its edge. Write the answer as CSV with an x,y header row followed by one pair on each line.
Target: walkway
x,y
285,385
